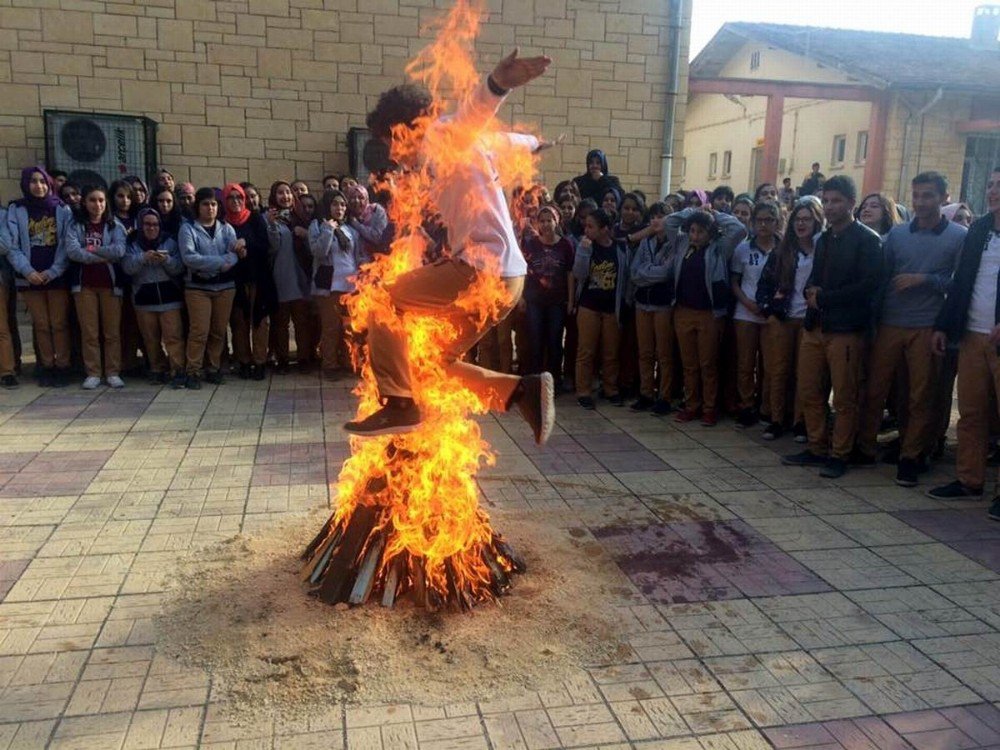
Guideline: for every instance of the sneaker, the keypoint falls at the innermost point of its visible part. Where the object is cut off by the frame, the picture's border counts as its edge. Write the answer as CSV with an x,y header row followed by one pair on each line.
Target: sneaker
x,y
587,402
799,433
258,372
244,372
709,418
8,381
644,403
746,418
994,511
115,382
398,416
906,473
214,377
193,383
535,399
44,375
955,491
179,381
616,400
805,458
661,407
891,453
60,377
860,459
281,368
91,383
834,468
687,415
773,431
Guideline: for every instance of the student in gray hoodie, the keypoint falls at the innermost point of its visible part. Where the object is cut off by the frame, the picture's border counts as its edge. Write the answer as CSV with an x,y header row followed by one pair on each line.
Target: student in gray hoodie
x,y
153,260
210,250
94,245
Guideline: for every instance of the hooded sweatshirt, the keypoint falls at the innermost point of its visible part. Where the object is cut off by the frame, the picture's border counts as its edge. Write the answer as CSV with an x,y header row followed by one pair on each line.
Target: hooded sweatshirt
x,y
591,188
37,227
89,247
156,286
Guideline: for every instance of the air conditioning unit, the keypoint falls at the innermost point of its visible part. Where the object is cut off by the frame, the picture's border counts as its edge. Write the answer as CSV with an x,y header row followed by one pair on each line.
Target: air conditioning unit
x,y
97,149
366,154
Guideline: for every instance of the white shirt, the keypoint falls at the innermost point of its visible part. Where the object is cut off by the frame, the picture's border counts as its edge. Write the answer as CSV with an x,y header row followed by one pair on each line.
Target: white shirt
x,y
804,268
748,262
469,194
983,307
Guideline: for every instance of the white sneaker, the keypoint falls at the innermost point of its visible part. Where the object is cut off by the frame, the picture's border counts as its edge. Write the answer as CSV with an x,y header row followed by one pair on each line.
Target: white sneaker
x,y
115,382
91,383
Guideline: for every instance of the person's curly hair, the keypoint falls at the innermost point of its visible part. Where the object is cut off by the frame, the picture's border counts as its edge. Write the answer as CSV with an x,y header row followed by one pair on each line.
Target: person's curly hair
x,y
400,105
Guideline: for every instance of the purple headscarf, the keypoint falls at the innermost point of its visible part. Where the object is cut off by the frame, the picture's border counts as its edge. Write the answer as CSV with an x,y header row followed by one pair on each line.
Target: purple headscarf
x,y
38,207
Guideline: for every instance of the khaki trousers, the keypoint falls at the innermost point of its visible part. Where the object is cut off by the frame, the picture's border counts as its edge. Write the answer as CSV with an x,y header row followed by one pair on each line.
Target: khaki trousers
x,y
6,341
748,346
49,310
333,324
163,330
434,290
779,343
597,332
99,313
249,343
496,347
978,374
655,334
894,346
208,316
698,334
839,354
295,312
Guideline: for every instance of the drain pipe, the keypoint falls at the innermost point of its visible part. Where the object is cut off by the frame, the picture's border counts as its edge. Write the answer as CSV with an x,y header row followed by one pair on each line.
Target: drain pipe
x,y
673,86
904,163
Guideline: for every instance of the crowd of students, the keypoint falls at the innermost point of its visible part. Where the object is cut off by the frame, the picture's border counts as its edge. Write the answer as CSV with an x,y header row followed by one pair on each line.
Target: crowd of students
x,y
767,307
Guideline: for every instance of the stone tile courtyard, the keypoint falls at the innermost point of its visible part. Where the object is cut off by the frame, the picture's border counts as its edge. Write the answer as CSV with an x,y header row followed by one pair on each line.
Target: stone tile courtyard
x,y
776,609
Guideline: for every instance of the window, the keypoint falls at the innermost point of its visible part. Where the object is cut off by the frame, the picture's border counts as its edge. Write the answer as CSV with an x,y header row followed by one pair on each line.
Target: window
x,y
861,153
754,60
713,165
839,150
727,163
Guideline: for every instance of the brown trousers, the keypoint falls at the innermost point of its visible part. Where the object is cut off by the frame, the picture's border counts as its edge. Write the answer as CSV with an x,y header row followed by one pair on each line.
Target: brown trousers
x,y
894,346
839,354
779,343
6,341
434,290
655,335
496,347
163,330
297,313
748,348
698,333
99,313
49,310
333,326
249,342
978,374
596,333
208,314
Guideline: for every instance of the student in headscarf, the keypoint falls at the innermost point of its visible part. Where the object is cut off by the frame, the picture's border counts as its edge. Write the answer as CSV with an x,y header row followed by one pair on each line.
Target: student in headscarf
x,y
185,199
140,189
960,213
369,220
37,225
255,297
8,364
596,181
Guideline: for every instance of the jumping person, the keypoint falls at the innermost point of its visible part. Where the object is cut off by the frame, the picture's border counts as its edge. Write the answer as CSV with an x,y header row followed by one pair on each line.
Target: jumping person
x,y
436,289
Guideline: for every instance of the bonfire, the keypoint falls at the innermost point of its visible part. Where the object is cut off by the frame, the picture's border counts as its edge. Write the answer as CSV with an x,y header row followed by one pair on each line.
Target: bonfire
x,y
408,524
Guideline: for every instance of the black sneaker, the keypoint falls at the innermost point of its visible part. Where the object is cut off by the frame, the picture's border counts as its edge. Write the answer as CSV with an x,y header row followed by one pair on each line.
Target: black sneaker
x,y
805,458
643,403
746,418
891,453
398,416
60,377
955,491
244,372
193,383
258,372
214,377
8,381
535,399
45,375
773,431
799,433
834,468
178,382
616,400
907,472
587,402
994,511
661,407
860,459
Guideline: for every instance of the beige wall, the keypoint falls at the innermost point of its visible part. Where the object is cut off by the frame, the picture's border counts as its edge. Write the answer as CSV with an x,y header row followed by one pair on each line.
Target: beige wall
x,y
261,89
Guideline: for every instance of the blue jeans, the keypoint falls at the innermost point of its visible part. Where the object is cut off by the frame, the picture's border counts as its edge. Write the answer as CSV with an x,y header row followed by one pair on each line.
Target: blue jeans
x,y
545,326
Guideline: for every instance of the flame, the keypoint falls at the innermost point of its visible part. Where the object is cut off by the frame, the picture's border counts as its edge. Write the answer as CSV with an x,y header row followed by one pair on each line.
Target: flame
x,y
423,483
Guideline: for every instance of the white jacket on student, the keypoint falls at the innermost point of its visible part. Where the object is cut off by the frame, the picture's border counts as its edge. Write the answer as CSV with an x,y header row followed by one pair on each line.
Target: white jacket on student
x,y
328,254
205,256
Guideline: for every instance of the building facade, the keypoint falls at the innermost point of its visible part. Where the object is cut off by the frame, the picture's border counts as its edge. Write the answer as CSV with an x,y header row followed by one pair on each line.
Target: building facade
x,y
766,101
262,89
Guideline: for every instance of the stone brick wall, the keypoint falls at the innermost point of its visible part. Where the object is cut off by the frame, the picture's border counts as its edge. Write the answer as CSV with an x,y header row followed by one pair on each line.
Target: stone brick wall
x,y
261,89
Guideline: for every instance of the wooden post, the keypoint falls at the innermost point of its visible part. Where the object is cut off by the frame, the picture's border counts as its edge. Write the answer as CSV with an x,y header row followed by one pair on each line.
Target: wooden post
x,y
875,160
772,138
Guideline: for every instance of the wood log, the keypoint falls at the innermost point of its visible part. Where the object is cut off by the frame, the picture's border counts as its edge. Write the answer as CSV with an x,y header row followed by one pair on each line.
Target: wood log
x,y
391,582
313,569
322,536
366,574
505,549
342,569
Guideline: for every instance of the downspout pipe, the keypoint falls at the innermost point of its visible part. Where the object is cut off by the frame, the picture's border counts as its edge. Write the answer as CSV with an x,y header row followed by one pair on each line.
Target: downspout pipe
x,y
673,92
912,117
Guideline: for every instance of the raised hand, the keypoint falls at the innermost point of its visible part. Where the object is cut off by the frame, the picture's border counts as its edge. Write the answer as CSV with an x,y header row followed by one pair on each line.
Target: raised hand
x,y
514,71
